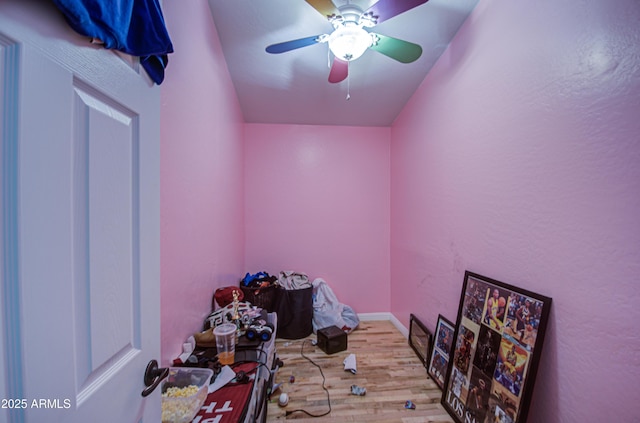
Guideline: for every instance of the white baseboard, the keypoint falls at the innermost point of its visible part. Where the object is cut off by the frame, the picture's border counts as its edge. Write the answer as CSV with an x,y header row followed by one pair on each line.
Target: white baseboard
x,y
368,317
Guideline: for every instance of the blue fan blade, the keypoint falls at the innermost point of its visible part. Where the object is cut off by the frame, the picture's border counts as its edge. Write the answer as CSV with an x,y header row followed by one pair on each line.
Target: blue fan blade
x,y
292,45
387,9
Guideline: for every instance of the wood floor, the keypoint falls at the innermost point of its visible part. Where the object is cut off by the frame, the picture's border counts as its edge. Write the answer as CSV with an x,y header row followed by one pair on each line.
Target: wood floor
x,y
386,366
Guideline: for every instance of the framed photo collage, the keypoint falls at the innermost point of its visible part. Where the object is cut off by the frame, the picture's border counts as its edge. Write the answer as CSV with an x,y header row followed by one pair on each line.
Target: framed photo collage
x,y
487,361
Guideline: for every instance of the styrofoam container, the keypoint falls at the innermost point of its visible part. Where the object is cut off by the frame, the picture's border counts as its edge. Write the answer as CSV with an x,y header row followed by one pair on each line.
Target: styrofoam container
x,y
191,384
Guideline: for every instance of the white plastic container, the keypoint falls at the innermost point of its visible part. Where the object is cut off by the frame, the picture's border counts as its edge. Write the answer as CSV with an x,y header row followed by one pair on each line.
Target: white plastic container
x,y
191,385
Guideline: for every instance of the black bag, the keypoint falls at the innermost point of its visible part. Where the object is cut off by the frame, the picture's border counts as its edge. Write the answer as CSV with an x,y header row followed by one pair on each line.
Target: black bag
x,y
294,308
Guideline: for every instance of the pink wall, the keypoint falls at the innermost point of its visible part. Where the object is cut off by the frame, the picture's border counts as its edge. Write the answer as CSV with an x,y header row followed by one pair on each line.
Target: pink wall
x,y
518,158
202,239
317,201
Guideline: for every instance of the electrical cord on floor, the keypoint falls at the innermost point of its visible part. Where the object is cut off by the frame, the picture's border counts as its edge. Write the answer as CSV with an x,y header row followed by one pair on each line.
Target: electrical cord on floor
x,y
258,364
288,413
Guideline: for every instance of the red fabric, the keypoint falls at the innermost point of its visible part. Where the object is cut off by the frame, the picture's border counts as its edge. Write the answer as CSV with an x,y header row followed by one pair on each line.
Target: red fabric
x,y
224,296
227,404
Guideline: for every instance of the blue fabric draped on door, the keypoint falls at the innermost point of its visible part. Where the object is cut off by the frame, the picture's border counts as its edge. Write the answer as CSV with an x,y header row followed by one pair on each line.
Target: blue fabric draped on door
x,y
134,27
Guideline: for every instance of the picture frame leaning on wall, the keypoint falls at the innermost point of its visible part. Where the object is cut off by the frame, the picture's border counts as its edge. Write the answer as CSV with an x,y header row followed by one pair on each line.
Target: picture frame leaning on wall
x,y
498,339
440,350
419,339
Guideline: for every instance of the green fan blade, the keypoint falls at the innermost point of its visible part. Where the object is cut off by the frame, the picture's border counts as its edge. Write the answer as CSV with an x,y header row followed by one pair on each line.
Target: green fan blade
x,y
402,51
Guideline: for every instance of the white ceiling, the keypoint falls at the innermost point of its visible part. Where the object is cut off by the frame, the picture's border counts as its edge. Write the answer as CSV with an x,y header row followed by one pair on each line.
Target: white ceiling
x,y
292,87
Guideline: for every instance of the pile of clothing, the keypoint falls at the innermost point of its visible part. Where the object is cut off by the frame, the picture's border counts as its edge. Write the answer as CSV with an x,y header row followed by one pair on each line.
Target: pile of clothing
x,y
257,280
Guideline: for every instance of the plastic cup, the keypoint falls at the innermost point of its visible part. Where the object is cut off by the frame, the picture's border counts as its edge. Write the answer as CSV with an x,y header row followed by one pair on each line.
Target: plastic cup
x,y
226,342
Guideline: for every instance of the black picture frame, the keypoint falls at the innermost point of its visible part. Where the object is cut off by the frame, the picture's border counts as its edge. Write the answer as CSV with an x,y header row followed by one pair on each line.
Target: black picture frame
x,y
498,339
440,350
419,339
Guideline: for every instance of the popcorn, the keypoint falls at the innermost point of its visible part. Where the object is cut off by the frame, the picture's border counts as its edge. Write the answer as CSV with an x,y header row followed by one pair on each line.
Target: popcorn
x,y
179,405
176,392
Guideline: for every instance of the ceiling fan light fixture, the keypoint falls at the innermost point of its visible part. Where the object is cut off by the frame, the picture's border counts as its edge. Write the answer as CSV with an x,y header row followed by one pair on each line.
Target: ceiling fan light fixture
x,y
349,42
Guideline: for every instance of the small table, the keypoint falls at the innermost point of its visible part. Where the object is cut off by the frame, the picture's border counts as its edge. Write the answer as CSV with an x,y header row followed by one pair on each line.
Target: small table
x,y
245,402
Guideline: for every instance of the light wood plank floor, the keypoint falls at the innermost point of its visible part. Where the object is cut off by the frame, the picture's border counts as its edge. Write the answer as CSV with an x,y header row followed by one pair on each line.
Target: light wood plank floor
x,y
386,366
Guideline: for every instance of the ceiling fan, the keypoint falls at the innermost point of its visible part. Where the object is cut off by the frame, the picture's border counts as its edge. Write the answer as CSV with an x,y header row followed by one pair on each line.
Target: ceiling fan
x,y
351,36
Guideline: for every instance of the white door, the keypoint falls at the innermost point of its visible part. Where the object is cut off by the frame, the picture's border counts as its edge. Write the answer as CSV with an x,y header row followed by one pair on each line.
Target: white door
x,y
80,225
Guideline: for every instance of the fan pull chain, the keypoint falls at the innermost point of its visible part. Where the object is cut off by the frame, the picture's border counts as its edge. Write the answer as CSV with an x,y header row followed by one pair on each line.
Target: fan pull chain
x,y
348,81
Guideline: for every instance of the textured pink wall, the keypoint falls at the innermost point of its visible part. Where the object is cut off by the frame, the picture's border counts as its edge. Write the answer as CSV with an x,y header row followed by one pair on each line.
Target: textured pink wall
x,y
201,175
518,158
317,201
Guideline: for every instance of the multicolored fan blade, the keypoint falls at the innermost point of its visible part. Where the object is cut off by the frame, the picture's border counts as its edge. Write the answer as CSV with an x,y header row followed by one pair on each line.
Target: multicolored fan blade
x,y
402,51
387,9
292,45
339,71
325,7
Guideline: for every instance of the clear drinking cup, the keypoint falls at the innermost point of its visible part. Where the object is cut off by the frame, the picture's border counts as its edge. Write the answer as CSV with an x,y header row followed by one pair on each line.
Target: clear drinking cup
x,y
226,342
